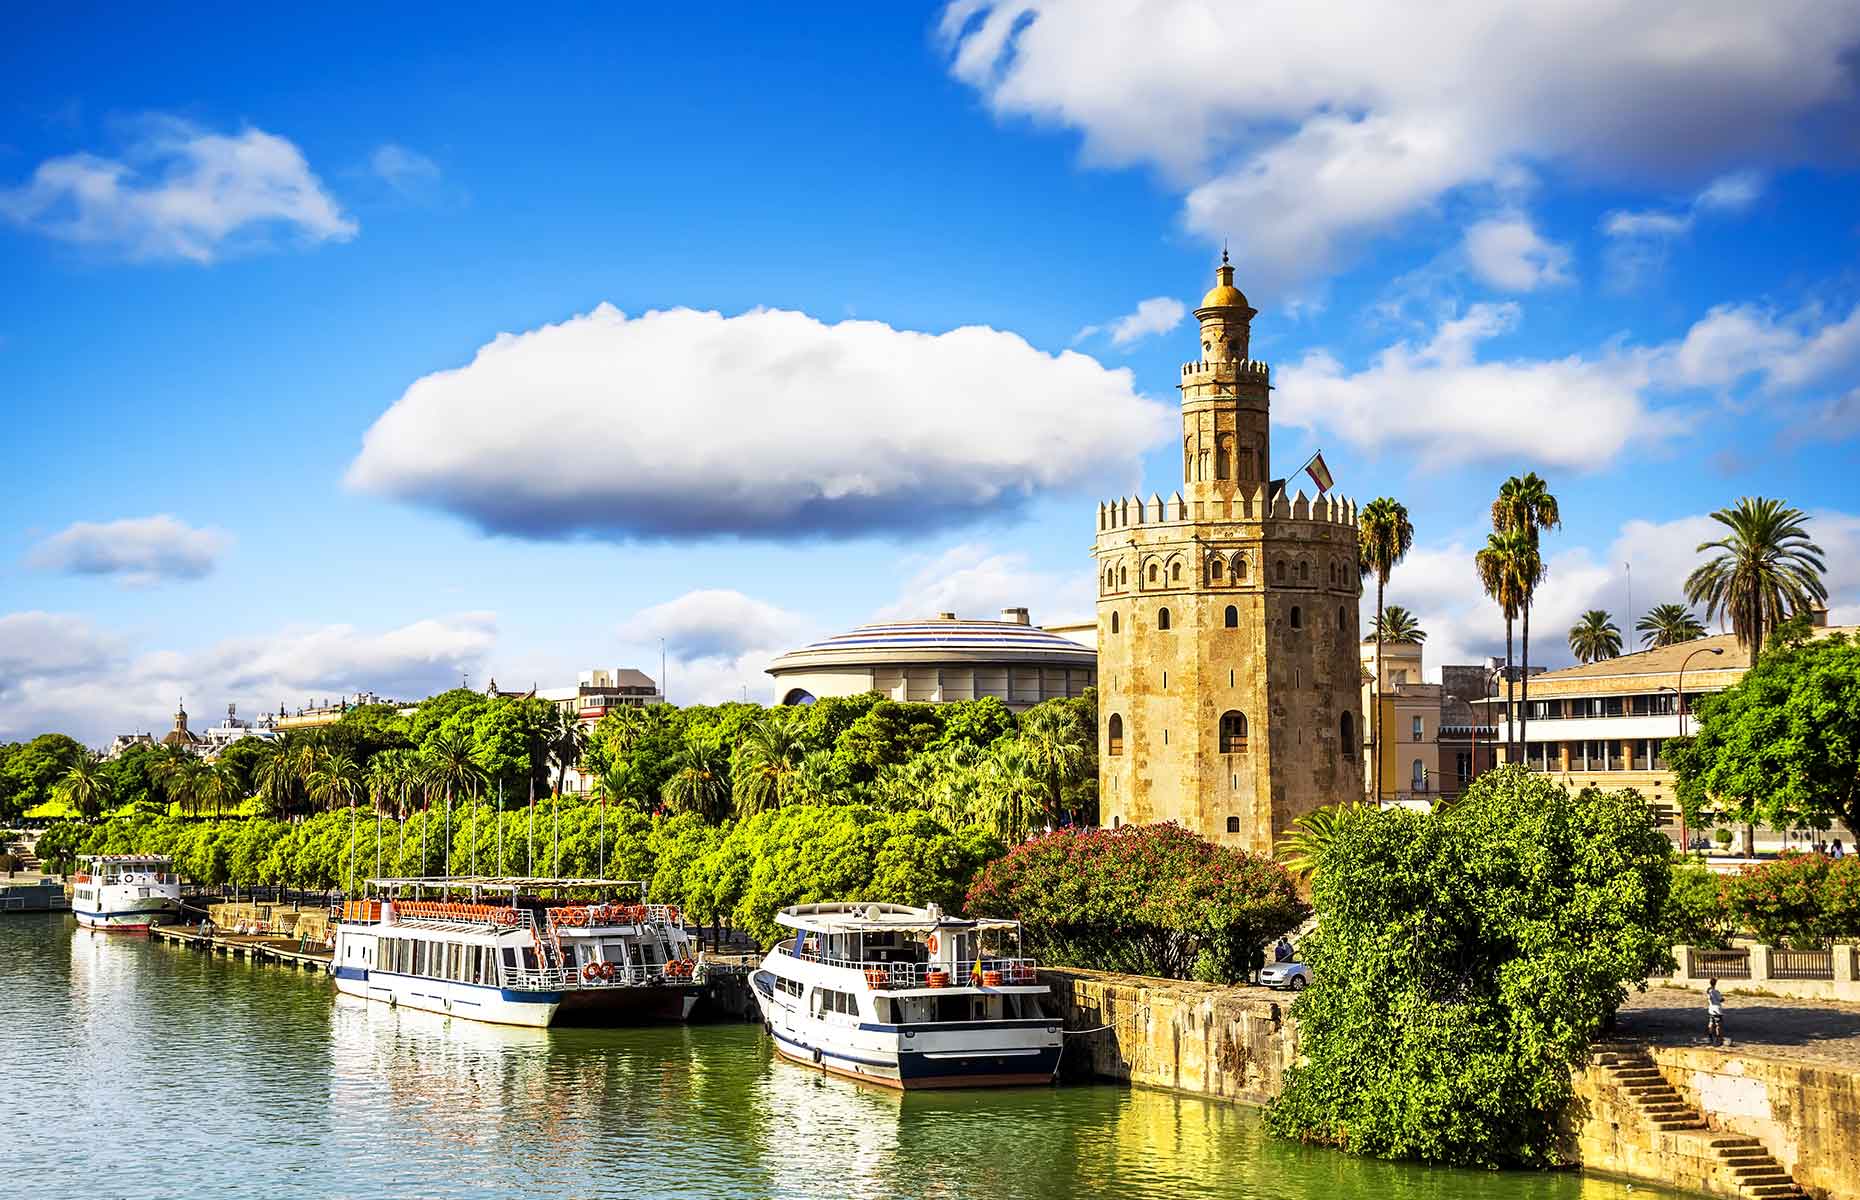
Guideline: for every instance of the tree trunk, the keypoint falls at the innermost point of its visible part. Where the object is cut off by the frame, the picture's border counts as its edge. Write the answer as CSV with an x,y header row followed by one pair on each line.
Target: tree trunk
x,y
1524,684
1375,735
1511,724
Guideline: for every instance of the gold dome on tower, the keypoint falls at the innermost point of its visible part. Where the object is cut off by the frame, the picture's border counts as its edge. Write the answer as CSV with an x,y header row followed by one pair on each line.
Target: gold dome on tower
x,y
1224,294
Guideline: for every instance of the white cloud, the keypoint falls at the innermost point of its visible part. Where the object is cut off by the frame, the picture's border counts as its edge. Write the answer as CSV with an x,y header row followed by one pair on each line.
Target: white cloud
x,y
180,191
1302,130
1728,193
408,172
60,673
978,581
136,550
1806,361
714,623
1508,252
770,424
1158,314
1441,400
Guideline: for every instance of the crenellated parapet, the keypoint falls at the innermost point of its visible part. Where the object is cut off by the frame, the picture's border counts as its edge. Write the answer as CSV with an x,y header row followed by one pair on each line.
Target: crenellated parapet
x,y
1240,370
1246,504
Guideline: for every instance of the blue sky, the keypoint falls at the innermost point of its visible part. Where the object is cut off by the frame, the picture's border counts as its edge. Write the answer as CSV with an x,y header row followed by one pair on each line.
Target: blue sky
x,y
815,321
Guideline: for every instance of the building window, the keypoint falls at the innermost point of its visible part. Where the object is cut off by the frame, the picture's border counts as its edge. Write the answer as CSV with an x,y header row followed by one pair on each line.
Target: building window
x,y
1418,776
1215,570
1152,572
1297,618
1278,571
1463,763
1175,573
1123,575
1116,820
1114,735
1113,622
1233,824
1233,732
1231,618
1239,569
1418,733
1162,618
1346,730
1304,572
1343,619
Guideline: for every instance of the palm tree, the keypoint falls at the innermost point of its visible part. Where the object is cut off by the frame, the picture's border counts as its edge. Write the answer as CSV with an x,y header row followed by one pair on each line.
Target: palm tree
x,y
84,787
1385,539
336,780
700,781
1054,739
1399,626
1525,504
1595,637
1505,566
217,785
816,781
1013,790
568,741
1668,625
1766,570
1303,846
767,761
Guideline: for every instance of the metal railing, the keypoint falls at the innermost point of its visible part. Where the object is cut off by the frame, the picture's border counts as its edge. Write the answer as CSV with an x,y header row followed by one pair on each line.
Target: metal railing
x,y
1801,964
1719,964
880,973
531,979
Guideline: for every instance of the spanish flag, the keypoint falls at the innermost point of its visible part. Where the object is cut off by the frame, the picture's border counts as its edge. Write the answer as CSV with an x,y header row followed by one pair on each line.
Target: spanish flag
x,y
1320,474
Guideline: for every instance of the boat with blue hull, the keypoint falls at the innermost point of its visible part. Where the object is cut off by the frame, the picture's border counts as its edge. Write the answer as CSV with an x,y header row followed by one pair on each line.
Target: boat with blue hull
x,y
125,893
907,997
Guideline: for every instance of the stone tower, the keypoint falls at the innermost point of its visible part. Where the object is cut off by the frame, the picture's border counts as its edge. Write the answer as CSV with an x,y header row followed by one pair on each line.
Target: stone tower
x,y
1229,686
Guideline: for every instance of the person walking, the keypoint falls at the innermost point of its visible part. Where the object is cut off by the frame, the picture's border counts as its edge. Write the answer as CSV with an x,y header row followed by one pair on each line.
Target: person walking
x,y
1714,1013
1255,959
1283,952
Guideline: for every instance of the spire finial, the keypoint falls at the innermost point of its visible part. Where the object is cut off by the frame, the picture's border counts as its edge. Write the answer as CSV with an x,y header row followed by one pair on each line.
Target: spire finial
x,y
1223,252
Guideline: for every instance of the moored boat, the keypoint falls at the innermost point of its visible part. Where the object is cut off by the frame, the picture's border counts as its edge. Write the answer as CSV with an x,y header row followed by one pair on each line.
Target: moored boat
x,y
125,892
485,958
907,997
626,961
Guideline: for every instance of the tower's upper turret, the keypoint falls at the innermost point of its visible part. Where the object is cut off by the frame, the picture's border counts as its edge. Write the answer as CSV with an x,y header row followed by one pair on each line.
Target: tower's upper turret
x,y
1226,318
1224,294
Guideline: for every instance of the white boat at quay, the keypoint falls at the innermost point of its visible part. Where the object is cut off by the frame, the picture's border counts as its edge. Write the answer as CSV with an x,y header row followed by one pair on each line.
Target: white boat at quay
x,y
907,997
125,892
626,960
485,957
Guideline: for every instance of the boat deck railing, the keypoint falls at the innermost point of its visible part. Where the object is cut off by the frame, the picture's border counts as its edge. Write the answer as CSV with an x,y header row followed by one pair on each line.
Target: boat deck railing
x,y
890,975
628,975
532,979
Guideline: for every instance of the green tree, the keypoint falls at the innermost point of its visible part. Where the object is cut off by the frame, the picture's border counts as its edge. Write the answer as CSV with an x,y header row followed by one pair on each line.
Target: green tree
x,y
1054,739
979,723
1766,569
1308,837
763,772
336,781
1509,568
84,788
700,782
1668,625
886,734
567,743
1781,747
1386,537
1524,504
1463,963
1399,626
1595,637
32,768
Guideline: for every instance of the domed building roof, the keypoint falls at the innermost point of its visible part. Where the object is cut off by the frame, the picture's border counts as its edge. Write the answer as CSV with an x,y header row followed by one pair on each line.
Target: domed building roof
x,y
940,659
1224,294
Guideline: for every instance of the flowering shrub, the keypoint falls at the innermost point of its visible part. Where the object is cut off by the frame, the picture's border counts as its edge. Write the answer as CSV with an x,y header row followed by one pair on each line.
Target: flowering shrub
x,y
1798,900
1145,899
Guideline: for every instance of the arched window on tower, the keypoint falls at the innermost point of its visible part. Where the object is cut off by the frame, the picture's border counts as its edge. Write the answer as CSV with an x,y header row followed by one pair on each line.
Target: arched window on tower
x,y
1346,730
1233,824
1113,622
1297,618
1216,570
1123,576
1188,458
1233,732
1278,571
1343,619
1231,618
1152,572
1114,735
1239,568
1162,618
1304,571
1224,456
1175,573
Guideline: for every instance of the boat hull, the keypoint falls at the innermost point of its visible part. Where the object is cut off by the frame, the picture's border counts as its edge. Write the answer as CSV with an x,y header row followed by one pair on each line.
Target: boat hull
x,y
470,1001
135,919
626,1005
912,1071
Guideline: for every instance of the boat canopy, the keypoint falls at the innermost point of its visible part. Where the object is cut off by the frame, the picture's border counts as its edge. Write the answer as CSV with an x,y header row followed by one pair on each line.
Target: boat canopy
x,y
876,917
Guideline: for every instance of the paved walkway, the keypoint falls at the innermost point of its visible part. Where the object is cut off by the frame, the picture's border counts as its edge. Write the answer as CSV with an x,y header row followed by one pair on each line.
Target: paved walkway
x,y
1806,1030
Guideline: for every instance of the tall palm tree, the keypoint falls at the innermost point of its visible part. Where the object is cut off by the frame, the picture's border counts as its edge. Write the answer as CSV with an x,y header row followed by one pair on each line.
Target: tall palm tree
x,y
1595,637
218,785
1765,571
276,778
1012,790
568,741
815,780
336,780
84,787
1054,739
1505,564
1399,626
1305,841
700,781
767,761
175,771
1385,536
1525,504
1668,625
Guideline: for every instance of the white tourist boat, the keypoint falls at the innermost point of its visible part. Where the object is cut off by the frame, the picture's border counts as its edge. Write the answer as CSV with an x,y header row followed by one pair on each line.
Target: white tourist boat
x,y
126,892
486,958
625,961
907,997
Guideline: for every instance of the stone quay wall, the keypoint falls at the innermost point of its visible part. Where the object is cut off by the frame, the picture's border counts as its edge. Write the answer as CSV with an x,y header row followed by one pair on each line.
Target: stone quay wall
x,y
1235,1043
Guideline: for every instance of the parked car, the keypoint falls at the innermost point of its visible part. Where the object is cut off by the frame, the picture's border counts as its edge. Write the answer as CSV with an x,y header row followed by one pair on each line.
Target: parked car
x,y
1293,975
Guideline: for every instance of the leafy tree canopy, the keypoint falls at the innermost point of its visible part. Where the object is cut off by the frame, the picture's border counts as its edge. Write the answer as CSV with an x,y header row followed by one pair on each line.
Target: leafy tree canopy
x,y
1463,962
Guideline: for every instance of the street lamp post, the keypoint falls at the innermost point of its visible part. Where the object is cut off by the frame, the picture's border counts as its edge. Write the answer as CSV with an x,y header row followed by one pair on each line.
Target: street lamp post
x,y
1679,703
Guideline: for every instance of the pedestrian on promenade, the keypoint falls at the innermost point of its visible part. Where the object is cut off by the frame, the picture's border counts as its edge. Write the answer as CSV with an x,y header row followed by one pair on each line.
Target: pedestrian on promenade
x,y
1255,959
1714,1013
1283,952
1836,851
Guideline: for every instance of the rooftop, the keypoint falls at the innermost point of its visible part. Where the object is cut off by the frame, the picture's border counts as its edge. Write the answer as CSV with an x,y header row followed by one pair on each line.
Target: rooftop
x,y
940,639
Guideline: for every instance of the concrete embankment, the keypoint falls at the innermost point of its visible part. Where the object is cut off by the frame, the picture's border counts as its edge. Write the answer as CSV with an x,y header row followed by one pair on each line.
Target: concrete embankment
x,y
1717,1121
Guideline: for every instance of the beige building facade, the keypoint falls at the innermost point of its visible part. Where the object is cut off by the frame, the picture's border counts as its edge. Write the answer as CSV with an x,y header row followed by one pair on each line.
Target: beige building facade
x,y
1229,685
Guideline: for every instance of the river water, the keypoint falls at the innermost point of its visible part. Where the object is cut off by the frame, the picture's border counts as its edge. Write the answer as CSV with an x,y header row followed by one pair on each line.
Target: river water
x,y
137,1069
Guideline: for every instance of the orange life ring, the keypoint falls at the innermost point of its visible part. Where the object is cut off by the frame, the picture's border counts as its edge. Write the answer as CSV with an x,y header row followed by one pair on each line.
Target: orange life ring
x,y
507,917
671,914
930,943
589,971
607,970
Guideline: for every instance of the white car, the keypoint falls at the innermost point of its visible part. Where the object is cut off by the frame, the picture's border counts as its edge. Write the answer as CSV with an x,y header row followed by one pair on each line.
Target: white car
x,y
1293,975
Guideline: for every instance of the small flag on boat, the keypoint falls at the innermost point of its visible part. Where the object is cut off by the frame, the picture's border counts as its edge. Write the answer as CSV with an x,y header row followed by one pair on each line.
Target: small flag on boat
x,y
1320,474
